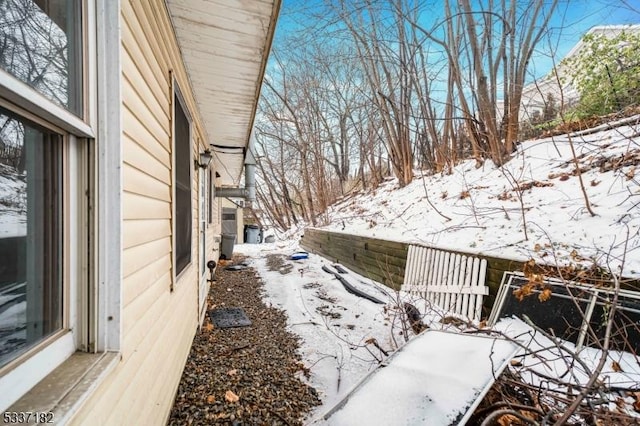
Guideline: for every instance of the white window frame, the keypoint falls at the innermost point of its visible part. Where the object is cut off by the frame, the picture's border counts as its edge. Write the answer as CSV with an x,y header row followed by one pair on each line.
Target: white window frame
x,y
22,373
177,94
91,319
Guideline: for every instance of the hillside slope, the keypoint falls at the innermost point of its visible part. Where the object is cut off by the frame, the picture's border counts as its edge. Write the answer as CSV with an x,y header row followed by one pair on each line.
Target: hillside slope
x,y
486,210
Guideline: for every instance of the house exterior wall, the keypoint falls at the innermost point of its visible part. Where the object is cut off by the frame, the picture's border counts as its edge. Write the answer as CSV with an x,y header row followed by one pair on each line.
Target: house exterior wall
x,y
566,96
159,311
227,203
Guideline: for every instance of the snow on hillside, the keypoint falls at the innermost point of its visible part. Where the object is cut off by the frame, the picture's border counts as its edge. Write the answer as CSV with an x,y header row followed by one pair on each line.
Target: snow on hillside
x,y
480,210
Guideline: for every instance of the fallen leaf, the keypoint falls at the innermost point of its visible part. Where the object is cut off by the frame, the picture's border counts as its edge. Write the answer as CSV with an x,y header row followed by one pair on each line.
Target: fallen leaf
x,y
631,173
516,363
231,397
616,367
211,399
232,372
544,295
636,404
507,420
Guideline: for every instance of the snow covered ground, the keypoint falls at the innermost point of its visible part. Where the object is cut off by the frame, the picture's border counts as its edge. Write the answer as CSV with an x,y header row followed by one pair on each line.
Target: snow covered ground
x,y
344,337
479,210
333,324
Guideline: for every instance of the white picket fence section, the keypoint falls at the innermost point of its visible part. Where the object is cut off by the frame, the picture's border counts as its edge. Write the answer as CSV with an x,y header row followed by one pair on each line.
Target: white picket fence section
x,y
452,281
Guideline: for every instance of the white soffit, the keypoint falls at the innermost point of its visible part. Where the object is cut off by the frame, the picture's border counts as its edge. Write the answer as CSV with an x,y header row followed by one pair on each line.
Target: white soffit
x,y
225,44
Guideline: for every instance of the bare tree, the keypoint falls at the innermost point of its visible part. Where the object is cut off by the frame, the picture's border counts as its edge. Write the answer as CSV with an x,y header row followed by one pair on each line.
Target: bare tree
x,y
489,46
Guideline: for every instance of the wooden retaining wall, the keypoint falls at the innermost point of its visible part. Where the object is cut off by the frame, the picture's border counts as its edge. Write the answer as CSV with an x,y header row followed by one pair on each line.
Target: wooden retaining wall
x,y
380,260
384,261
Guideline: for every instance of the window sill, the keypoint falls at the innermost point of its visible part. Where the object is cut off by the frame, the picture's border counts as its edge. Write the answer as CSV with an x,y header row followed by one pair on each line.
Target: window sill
x,y
67,387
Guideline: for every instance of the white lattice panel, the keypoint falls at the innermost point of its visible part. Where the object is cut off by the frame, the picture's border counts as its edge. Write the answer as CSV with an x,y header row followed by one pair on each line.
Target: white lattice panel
x,y
452,281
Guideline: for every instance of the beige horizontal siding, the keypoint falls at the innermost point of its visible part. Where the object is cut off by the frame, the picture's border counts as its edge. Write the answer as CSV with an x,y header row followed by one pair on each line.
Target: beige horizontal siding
x,y
143,207
137,156
139,182
142,108
158,324
138,232
133,394
154,140
138,257
146,63
140,280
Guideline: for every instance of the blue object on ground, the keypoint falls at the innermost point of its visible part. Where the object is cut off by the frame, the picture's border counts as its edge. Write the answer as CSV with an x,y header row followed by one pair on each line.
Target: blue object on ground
x,y
300,255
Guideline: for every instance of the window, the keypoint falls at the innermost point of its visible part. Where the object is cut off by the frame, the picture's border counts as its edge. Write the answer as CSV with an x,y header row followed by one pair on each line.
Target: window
x,y
41,47
31,189
182,203
50,261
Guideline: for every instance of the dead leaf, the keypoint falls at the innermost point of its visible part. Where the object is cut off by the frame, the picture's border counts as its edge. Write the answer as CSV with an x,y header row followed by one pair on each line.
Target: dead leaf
x,y
631,173
231,397
522,292
595,182
211,399
544,295
616,367
537,247
636,404
507,420
516,363
464,194
232,372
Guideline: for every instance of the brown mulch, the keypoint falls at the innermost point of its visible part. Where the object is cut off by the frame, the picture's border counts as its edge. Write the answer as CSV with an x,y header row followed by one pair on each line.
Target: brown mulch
x,y
243,376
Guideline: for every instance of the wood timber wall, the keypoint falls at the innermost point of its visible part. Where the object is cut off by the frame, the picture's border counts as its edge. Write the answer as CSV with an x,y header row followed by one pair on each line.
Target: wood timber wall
x,y
380,260
384,261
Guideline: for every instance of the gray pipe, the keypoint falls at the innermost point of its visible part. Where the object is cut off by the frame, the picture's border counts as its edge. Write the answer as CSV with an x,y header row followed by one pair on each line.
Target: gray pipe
x,y
249,190
231,192
250,181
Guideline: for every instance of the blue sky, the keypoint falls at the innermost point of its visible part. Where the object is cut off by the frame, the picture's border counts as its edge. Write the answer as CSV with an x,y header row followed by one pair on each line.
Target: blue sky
x,y
572,19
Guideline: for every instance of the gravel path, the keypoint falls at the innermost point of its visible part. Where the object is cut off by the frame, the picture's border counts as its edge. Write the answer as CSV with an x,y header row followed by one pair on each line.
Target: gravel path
x,y
243,376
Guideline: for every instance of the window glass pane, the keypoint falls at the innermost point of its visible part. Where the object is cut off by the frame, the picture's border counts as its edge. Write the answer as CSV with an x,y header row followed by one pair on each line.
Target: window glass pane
x,y
183,188
30,235
40,45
